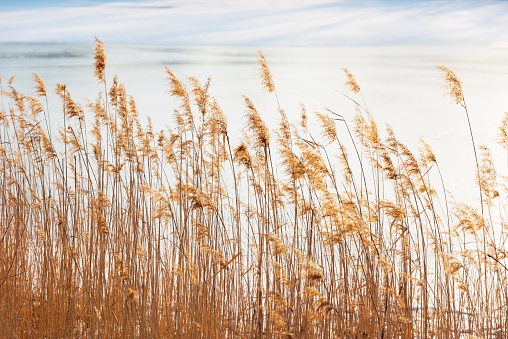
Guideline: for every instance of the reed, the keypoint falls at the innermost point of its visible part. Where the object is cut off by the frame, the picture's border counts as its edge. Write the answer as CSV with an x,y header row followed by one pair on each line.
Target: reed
x,y
112,229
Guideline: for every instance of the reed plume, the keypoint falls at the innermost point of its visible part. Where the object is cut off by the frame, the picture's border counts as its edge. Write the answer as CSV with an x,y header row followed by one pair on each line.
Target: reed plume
x,y
351,83
100,60
40,86
265,74
452,84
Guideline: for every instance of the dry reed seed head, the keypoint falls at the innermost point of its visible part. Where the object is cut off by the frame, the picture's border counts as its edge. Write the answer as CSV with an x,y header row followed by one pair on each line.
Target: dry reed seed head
x,y
387,165
292,164
361,128
132,295
503,131
373,133
487,177
60,90
323,306
219,122
277,320
100,60
133,110
284,129
427,156
452,84
35,107
351,83
385,265
313,271
409,161
40,232
19,99
391,141
46,144
161,139
469,220
265,74
10,82
40,86
257,125
278,246
103,200
99,110
396,212
113,92
200,93
73,109
450,264
176,87
314,162
461,286
329,129
139,251
303,122
122,104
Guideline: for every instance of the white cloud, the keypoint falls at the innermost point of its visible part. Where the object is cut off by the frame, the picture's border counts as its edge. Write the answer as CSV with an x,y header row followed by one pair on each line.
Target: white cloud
x,y
263,22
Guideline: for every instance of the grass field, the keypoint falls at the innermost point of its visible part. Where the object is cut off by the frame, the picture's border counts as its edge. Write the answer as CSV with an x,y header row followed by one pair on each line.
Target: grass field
x,y
112,229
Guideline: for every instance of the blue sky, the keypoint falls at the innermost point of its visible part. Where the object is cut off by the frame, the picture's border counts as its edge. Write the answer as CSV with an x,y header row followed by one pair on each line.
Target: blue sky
x,y
257,22
13,4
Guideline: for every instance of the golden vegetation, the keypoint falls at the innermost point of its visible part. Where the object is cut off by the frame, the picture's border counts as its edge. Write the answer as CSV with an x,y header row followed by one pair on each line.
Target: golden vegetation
x,y
111,229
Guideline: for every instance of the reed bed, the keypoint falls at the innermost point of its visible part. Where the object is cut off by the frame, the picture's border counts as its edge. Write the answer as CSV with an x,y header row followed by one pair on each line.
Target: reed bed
x,y
112,229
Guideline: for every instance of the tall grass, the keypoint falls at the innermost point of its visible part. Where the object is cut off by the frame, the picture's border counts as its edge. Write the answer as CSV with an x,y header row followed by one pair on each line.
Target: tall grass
x,y
113,229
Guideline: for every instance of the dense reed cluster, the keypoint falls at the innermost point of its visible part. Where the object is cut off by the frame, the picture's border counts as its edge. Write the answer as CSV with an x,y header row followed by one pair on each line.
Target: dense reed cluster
x,y
113,229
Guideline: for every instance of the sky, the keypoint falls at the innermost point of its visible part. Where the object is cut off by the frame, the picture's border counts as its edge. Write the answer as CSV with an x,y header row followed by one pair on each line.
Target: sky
x,y
258,23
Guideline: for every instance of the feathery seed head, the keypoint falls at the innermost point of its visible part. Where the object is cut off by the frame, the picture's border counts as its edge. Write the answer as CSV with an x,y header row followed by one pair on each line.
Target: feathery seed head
x,y
487,179
469,219
314,272
303,122
72,109
427,155
351,83
35,107
200,93
40,86
60,89
257,125
100,60
11,81
265,74
329,130
503,132
219,122
452,84
113,92
177,88
131,295
278,246
242,156
450,264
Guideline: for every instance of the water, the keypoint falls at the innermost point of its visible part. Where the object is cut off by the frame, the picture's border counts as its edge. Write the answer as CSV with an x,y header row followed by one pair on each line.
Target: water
x,y
400,86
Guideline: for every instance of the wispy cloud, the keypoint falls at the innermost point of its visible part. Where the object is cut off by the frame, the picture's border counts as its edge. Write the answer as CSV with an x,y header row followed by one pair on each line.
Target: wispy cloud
x,y
262,22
